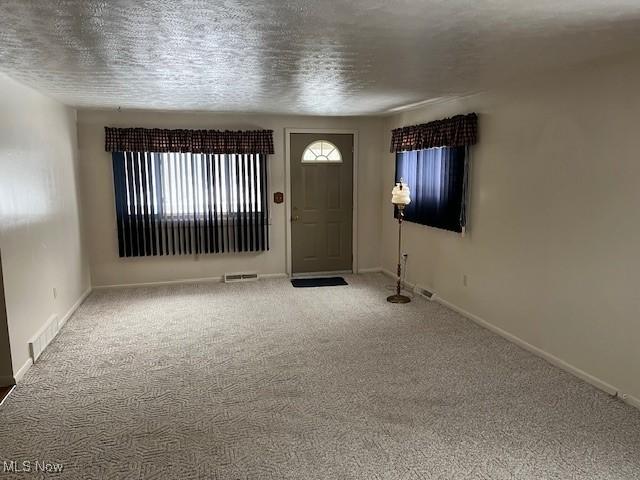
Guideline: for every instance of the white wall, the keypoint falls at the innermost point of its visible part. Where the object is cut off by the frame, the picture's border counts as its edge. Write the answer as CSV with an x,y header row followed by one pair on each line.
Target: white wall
x,y
108,269
553,246
40,234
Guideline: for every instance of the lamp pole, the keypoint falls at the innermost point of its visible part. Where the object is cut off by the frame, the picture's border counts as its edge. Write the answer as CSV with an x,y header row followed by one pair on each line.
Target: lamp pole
x,y
398,297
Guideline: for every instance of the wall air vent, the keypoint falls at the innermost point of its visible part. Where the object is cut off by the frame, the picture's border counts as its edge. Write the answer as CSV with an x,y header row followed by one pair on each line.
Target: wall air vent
x,y
240,277
43,337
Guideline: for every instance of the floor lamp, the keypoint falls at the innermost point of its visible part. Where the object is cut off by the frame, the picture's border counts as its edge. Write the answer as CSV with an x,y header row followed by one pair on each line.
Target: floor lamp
x,y
400,197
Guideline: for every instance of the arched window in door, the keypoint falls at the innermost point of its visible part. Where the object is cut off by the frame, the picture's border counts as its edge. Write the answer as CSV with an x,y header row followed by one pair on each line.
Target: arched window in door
x,y
321,151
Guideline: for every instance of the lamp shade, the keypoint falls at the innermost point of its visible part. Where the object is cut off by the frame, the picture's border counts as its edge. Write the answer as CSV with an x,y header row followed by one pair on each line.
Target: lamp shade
x,y
400,195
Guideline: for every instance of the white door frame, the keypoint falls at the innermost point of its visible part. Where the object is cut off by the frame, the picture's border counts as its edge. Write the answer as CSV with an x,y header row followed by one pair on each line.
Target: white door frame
x,y
287,192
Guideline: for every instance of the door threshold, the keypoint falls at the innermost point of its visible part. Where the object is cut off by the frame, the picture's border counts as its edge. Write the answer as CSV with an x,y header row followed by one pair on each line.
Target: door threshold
x,y
321,274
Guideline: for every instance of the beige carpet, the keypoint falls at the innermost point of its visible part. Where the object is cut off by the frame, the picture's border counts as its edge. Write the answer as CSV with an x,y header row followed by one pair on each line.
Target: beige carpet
x,y
264,381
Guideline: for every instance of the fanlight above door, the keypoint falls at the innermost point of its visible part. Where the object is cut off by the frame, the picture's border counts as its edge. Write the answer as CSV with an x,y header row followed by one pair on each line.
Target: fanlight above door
x,y
321,151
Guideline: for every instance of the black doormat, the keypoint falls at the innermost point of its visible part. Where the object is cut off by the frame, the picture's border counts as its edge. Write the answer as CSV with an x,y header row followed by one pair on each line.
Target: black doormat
x,y
318,282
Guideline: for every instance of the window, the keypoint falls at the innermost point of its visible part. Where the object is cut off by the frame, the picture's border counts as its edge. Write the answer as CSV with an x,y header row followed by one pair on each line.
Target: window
x,y
182,194
185,203
437,181
321,152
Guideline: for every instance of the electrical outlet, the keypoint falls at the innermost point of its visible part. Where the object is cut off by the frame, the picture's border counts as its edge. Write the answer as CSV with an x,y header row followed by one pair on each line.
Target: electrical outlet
x,y
405,255
464,280
55,292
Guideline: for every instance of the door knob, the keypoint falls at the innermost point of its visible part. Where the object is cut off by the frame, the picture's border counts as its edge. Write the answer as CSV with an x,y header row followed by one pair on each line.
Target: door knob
x,y
295,218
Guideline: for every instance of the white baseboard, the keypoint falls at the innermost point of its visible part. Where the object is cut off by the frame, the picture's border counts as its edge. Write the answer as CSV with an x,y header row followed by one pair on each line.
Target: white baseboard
x,y
370,270
73,308
558,362
405,284
45,335
631,400
22,370
183,281
162,283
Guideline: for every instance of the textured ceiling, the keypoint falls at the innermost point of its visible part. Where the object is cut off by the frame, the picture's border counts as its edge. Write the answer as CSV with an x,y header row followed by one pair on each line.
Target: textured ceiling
x,y
309,57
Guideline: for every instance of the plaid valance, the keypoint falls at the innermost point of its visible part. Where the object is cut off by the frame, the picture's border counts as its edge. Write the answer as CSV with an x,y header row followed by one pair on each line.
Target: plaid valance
x,y
159,140
451,132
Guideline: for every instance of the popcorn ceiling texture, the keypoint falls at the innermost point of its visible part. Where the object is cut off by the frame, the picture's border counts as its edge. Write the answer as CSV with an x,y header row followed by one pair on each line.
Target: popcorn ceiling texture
x,y
265,381
301,57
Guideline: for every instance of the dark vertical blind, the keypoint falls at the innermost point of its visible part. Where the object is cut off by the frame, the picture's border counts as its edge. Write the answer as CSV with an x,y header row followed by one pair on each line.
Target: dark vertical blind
x,y
437,181
184,203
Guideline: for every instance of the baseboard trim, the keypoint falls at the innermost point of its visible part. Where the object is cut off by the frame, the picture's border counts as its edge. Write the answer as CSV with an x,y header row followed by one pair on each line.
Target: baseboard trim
x,y
42,337
558,362
405,284
74,307
183,281
23,369
370,270
631,400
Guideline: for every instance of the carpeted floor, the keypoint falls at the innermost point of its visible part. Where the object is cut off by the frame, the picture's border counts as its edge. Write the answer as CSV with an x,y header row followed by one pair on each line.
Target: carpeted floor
x,y
265,381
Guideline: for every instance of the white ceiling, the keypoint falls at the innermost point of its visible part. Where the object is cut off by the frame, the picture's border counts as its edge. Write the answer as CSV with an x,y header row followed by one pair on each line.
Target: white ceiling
x,y
334,57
